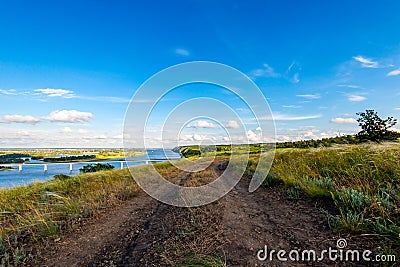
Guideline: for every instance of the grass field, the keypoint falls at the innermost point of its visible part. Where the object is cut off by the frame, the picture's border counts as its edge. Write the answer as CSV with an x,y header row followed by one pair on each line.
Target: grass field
x,y
362,182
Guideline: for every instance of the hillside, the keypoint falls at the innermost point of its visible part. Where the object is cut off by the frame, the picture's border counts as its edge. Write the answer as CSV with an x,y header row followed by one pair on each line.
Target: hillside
x,y
311,198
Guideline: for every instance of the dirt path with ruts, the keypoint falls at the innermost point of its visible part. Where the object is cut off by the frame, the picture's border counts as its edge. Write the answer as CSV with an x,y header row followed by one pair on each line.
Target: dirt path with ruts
x,y
145,232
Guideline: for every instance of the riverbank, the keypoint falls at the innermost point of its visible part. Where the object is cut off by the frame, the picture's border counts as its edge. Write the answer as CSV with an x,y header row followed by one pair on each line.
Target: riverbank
x,y
3,168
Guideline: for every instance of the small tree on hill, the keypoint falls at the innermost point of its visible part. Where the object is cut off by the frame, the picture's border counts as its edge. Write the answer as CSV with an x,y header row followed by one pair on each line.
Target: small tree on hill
x,y
372,126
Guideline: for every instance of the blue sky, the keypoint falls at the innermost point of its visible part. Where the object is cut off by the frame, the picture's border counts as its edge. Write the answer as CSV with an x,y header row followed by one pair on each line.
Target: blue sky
x,y
69,68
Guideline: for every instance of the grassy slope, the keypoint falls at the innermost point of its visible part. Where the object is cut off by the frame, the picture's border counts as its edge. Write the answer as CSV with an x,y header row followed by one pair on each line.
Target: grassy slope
x,y
363,181
44,209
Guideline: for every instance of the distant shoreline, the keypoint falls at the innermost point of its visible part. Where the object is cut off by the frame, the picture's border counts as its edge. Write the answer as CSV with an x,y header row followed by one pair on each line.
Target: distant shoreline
x,y
4,168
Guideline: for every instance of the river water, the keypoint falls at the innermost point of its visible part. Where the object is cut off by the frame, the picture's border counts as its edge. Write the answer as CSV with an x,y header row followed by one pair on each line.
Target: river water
x,y
33,171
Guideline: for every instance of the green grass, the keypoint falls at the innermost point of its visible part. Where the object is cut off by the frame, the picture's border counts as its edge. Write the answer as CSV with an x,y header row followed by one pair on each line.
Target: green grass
x,y
201,261
363,181
40,210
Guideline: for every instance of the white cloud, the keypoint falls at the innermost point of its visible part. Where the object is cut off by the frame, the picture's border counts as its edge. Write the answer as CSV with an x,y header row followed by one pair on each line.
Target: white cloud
x,y
348,115
343,121
51,137
8,92
51,92
25,133
197,137
310,135
19,119
83,131
267,71
350,86
304,133
202,124
394,73
356,98
252,136
118,136
202,137
293,72
69,130
396,108
310,96
41,94
284,117
281,117
366,62
182,52
71,116
100,136
291,106
232,124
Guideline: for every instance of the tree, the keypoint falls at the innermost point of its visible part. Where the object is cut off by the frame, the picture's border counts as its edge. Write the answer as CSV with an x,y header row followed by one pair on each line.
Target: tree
x,y
372,126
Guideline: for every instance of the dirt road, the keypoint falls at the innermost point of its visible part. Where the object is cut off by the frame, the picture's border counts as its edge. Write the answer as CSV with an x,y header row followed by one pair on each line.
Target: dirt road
x,y
145,232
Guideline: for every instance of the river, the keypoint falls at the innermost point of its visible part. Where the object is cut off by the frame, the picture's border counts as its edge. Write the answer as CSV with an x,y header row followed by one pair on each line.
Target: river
x,y
33,171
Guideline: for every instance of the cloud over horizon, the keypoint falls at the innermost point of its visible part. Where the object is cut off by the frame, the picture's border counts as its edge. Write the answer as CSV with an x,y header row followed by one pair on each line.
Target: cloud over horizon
x,y
202,124
343,121
232,125
66,116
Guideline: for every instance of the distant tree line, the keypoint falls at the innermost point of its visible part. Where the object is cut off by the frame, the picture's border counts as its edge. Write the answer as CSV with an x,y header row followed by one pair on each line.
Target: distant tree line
x,y
324,142
13,158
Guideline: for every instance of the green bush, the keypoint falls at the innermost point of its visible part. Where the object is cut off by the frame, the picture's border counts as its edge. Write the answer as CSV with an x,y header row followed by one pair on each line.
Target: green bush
x,y
96,167
61,177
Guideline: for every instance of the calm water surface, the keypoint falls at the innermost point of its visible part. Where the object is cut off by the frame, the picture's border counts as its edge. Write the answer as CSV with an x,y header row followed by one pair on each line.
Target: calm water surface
x,y
32,171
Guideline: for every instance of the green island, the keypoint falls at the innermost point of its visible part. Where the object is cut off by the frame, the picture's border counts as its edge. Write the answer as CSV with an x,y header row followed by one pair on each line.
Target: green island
x,y
3,168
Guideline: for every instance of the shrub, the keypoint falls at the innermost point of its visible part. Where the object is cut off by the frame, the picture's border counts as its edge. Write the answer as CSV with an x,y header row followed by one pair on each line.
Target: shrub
x,y
61,177
96,167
